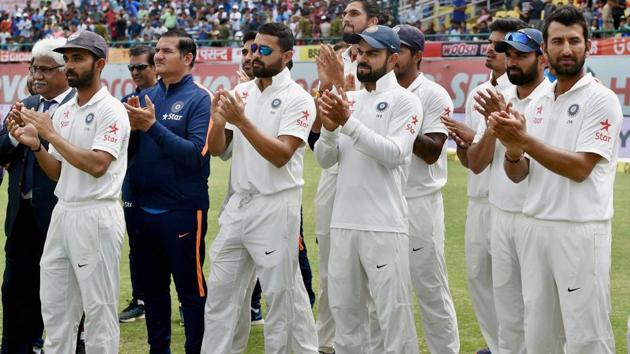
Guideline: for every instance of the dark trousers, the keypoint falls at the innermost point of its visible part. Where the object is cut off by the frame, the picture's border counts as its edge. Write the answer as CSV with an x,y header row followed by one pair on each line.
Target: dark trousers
x,y
136,290
305,269
22,324
165,244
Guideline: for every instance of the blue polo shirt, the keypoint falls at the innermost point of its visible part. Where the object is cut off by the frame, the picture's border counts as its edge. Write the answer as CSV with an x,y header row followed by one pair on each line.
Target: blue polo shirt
x,y
169,164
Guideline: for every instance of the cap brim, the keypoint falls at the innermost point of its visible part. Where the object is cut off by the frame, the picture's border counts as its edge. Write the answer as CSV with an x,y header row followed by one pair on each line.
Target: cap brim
x,y
502,47
356,38
76,46
413,47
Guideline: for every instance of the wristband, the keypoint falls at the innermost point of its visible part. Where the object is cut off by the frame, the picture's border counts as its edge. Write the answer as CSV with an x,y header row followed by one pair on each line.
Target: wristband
x,y
39,148
508,159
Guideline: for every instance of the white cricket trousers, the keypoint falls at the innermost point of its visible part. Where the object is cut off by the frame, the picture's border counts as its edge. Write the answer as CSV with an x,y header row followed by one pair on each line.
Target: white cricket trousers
x,y
259,233
566,286
80,273
479,269
507,235
428,273
323,213
376,264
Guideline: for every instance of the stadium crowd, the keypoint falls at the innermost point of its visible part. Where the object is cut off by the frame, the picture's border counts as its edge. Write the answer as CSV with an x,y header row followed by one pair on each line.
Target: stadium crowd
x,y
214,22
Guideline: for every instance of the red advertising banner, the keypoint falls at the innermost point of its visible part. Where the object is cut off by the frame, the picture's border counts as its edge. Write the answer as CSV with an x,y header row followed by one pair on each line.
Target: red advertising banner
x,y
212,54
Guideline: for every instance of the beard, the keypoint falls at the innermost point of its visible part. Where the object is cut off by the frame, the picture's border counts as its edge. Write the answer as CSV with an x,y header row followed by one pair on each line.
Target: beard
x,y
373,75
266,71
519,77
571,70
80,81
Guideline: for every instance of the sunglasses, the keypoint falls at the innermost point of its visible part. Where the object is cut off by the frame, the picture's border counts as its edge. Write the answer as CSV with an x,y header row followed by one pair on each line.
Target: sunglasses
x,y
264,50
523,38
138,67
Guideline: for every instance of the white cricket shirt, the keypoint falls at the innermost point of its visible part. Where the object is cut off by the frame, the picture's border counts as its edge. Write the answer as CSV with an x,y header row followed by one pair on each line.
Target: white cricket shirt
x,y
283,108
425,179
587,118
505,194
100,124
478,183
373,150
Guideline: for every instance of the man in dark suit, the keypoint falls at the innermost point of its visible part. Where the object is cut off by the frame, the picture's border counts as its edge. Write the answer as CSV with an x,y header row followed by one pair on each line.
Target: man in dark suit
x,y
31,201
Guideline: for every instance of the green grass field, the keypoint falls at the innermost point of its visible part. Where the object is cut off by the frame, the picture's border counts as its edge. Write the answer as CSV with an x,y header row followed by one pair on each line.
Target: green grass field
x,y
133,335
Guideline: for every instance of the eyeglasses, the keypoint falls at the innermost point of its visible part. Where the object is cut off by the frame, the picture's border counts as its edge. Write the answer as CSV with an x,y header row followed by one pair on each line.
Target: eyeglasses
x,y
264,50
139,67
43,69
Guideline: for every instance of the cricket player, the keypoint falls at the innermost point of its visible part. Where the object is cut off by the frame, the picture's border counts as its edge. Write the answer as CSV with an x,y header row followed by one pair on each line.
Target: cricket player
x,y
370,133
87,156
168,179
266,121
569,157
427,176
332,72
526,71
477,233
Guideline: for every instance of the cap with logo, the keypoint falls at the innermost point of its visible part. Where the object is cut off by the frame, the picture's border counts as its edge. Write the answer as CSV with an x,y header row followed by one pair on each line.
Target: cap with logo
x,y
525,40
377,37
410,36
89,41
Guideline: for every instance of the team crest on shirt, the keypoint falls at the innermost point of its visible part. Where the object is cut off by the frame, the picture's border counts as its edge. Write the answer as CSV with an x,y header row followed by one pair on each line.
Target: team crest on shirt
x,y
573,109
276,103
89,118
382,106
602,134
177,106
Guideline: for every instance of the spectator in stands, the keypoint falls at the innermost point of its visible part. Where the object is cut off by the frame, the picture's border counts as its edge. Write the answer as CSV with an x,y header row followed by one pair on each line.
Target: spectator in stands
x,y
411,15
429,30
169,19
325,27
549,8
459,11
535,13
235,19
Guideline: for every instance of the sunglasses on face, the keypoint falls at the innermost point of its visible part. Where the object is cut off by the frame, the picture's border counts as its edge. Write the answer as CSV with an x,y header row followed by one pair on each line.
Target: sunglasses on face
x,y
264,50
138,67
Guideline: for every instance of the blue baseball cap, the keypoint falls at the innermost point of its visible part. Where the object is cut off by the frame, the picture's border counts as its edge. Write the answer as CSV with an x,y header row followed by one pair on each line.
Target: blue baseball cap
x,y
410,36
378,37
525,40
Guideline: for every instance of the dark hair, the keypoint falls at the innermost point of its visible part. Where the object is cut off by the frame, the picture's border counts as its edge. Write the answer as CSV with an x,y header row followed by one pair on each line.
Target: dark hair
x,y
508,24
340,45
139,50
568,16
248,36
284,34
185,45
372,9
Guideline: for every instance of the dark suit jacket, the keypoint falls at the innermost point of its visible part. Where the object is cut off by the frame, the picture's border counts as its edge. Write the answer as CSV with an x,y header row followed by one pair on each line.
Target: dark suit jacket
x,y
44,199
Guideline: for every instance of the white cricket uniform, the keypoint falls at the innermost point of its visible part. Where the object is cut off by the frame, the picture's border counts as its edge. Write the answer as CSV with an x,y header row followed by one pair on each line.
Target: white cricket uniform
x,y
323,211
506,199
79,265
477,233
259,227
369,243
567,224
426,226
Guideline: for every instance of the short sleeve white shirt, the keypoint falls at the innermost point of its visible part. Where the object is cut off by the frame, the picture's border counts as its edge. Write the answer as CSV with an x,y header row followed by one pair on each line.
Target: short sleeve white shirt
x,y
425,179
587,118
100,124
373,151
283,108
505,194
478,183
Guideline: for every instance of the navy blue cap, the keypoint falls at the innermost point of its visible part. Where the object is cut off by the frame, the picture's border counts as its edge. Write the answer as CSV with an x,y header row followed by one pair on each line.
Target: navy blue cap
x,y
410,36
378,37
526,40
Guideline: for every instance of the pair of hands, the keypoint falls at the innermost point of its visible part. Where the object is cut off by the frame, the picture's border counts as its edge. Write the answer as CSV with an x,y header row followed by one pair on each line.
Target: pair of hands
x,y
27,125
140,118
227,108
330,70
333,110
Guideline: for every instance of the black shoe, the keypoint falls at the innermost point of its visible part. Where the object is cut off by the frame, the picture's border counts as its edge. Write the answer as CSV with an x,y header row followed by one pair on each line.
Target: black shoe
x,y
181,316
133,312
484,351
257,317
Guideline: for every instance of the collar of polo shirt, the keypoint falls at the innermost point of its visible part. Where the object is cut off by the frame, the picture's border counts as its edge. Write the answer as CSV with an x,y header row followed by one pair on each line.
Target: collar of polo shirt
x,y
386,82
283,78
417,82
585,80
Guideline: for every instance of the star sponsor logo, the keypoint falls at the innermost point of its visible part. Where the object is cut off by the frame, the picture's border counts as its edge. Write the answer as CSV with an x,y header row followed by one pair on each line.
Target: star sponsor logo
x,y
65,121
110,136
171,116
539,110
602,134
411,127
303,120
414,120
538,118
